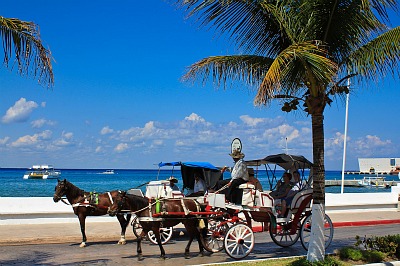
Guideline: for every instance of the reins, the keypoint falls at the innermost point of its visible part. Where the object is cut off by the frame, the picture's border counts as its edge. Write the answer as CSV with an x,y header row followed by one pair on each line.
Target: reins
x,y
63,200
142,209
222,188
79,203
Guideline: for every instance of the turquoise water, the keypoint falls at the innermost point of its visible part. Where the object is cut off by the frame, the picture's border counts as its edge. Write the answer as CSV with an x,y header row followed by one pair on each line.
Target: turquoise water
x,y
13,185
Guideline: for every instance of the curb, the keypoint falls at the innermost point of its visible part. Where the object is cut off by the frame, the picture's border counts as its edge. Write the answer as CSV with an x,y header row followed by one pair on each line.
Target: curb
x,y
258,229
365,223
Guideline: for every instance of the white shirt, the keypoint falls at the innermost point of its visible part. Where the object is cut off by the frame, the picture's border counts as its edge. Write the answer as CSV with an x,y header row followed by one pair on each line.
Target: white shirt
x,y
199,185
240,171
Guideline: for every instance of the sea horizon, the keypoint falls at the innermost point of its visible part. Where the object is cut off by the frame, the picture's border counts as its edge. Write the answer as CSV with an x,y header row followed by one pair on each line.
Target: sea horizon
x,y
13,184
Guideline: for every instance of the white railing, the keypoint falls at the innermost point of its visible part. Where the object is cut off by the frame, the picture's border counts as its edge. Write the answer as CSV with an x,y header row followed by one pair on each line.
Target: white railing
x,y
45,210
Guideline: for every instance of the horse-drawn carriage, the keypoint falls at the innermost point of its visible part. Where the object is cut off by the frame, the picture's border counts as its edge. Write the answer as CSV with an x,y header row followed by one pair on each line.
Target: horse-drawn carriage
x,y
220,225
236,236
160,189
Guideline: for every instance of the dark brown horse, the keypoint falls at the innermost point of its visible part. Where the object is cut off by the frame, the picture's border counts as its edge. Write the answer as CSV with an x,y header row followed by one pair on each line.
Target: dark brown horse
x,y
154,214
89,204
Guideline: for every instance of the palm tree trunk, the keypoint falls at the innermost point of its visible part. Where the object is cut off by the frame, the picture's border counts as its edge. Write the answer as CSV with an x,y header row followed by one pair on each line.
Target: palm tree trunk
x,y
316,249
318,158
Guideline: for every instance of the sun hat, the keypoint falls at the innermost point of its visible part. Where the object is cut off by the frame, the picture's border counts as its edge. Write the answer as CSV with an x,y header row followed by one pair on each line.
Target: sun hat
x,y
237,154
173,179
250,171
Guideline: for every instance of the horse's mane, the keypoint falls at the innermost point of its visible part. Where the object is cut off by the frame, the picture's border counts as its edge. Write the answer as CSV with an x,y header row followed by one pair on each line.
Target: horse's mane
x,y
75,191
137,201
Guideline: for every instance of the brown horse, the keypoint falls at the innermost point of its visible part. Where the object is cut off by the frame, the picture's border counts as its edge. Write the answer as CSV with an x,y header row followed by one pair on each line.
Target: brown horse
x,y
154,214
82,205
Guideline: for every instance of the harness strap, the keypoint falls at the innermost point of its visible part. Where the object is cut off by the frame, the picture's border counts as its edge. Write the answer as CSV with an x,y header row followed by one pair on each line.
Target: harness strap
x,y
63,200
185,210
109,195
147,207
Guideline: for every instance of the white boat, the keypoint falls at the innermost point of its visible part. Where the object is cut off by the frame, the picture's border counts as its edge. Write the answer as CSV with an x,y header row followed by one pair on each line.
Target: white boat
x,y
42,172
374,181
108,172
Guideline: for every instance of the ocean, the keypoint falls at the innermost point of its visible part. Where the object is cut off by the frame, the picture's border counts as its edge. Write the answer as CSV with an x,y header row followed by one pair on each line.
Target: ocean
x,y
13,184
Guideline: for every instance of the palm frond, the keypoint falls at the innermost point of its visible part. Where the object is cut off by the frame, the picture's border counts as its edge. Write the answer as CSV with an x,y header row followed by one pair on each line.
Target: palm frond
x,y
21,40
249,69
253,25
301,66
378,57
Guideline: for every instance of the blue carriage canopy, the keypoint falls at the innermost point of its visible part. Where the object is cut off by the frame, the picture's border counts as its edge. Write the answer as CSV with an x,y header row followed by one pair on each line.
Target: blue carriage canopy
x,y
208,172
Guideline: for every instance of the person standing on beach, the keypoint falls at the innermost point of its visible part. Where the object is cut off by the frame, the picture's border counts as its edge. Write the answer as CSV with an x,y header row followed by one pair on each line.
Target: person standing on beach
x,y
239,174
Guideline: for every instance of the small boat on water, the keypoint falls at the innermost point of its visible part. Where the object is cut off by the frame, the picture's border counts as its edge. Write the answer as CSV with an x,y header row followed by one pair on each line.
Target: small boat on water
x,y
108,172
374,181
395,171
42,172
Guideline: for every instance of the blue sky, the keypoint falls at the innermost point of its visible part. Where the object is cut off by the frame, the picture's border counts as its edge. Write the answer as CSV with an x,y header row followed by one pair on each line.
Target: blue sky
x,y
118,99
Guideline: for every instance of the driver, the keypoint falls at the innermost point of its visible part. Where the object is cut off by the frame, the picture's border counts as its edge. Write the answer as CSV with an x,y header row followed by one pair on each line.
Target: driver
x,y
239,175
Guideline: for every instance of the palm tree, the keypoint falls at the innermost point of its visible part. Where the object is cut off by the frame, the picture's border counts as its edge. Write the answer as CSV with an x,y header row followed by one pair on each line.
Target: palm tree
x,y
23,47
300,52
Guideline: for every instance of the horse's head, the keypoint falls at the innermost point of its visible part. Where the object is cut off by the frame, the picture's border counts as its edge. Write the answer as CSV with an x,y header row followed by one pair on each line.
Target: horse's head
x,y
60,190
119,203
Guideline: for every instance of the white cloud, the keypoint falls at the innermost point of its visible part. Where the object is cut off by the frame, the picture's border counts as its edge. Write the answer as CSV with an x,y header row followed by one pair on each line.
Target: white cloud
x,y
121,147
41,122
372,146
68,135
65,140
4,140
106,130
194,120
32,140
98,149
251,121
20,111
195,117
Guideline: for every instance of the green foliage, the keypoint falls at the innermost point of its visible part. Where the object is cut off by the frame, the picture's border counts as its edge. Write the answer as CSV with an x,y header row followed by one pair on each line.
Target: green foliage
x,y
329,261
350,253
373,256
390,244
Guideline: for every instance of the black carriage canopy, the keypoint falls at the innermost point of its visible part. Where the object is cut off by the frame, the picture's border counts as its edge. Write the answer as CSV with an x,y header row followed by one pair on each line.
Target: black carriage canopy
x,y
286,161
208,172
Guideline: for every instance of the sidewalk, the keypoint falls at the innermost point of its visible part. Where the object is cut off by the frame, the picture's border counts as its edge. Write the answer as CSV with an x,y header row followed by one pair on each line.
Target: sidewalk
x,y
108,228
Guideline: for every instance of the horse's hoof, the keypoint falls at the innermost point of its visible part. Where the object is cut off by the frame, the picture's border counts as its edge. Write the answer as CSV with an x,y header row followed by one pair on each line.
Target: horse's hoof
x,y
162,257
82,245
187,256
140,257
122,242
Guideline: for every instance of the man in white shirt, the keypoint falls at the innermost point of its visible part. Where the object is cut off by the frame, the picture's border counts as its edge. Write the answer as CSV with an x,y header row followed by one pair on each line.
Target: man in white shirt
x,y
239,174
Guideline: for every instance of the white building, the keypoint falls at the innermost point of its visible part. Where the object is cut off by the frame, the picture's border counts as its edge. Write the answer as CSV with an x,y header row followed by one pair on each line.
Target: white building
x,y
378,165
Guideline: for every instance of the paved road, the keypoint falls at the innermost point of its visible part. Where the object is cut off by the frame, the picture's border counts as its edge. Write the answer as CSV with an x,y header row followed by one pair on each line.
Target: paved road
x,y
108,253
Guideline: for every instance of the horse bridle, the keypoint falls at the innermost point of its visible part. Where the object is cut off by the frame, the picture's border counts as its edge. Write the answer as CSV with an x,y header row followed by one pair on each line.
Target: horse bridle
x,y
63,198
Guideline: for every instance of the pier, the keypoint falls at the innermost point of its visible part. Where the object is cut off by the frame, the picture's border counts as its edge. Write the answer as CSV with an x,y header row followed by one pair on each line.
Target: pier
x,y
353,183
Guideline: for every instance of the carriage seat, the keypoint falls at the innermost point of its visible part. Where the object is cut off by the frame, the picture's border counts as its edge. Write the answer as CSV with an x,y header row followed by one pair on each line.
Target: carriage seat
x,y
265,199
135,191
248,194
157,189
177,194
247,185
299,198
